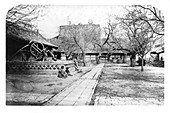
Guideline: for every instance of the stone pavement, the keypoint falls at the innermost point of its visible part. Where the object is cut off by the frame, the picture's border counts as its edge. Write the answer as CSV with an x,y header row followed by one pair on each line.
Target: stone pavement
x,y
80,92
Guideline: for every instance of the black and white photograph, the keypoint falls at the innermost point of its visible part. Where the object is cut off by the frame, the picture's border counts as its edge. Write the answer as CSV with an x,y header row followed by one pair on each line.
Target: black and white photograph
x,y
85,55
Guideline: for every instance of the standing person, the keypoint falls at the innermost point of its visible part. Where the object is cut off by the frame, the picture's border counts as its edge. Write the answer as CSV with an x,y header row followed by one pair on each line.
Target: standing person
x,y
76,64
23,55
52,54
45,55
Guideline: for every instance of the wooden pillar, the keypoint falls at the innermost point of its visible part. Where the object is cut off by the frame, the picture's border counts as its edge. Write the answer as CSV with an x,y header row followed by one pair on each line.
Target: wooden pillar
x,y
158,56
124,58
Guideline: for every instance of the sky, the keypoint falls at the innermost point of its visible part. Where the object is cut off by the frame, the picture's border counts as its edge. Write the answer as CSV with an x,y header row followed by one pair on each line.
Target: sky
x,y
57,15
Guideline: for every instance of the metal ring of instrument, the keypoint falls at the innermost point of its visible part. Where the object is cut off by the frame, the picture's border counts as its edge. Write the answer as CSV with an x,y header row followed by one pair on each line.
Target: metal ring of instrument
x,y
36,50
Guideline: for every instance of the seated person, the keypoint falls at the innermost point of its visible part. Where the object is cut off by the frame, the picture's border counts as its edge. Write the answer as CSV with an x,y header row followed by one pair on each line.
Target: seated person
x,y
68,72
61,72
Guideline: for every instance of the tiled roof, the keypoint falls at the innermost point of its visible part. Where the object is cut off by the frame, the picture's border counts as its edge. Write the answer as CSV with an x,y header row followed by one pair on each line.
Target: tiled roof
x,y
28,35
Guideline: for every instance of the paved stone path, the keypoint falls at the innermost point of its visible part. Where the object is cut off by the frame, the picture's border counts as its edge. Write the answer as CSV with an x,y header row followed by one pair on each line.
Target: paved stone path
x,y
80,92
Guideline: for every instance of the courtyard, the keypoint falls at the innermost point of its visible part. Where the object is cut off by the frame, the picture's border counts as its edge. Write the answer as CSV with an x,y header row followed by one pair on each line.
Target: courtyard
x,y
117,53
116,84
123,85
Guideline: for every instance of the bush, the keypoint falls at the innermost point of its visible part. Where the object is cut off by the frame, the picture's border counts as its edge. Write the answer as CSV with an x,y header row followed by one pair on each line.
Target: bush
x,y
158,63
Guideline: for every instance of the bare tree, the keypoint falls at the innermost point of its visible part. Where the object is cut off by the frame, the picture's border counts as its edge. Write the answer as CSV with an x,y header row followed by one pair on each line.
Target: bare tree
x,y
82,37
75,34
136,32
152,16
91,36
143,29
115,38
87,39
141,33
23,16
67,45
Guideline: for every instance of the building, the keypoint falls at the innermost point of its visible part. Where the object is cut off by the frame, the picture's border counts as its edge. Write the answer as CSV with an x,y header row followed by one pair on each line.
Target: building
x,y
84,34
158,50
157,53
18,39
24,52
83,31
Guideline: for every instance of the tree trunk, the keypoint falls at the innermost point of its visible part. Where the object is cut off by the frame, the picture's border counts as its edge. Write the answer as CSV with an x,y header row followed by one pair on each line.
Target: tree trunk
x,y
124,58
132,62
84,63
132,59
97,60
142,63
67,57
108,57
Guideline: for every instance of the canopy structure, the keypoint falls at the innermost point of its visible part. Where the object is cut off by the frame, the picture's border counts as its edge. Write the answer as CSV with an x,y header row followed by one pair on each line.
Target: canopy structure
x,y
158,51
159,48
18,37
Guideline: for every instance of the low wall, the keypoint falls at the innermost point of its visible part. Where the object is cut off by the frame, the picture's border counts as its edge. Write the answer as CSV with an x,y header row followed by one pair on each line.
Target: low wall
x,y
36,67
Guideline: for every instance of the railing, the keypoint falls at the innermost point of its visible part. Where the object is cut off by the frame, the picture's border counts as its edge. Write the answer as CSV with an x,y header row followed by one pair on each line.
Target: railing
x,y
36,67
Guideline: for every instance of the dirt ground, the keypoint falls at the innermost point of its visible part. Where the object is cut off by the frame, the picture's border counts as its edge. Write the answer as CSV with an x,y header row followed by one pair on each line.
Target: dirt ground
x,y
129,82
30,85
118,85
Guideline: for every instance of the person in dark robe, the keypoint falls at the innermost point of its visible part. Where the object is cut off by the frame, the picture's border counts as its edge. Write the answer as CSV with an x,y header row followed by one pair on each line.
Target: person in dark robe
x,y
68,72
61,72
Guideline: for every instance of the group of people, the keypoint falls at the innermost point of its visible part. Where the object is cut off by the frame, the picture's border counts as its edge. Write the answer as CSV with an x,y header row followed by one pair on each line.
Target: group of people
x,y
65,73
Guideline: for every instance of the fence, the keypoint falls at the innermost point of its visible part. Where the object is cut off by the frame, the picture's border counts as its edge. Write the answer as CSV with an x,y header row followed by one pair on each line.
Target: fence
x,y
36,67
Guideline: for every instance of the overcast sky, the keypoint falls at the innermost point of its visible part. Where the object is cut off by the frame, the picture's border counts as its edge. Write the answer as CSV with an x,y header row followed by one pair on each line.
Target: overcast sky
x,y
48,25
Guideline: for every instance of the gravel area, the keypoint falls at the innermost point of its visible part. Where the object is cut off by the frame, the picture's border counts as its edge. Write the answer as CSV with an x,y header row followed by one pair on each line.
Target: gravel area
x,y
122,85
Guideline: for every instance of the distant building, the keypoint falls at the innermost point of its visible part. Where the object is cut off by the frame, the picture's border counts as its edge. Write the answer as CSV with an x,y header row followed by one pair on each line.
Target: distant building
x,y
68,30
80,31
156,55
158,49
